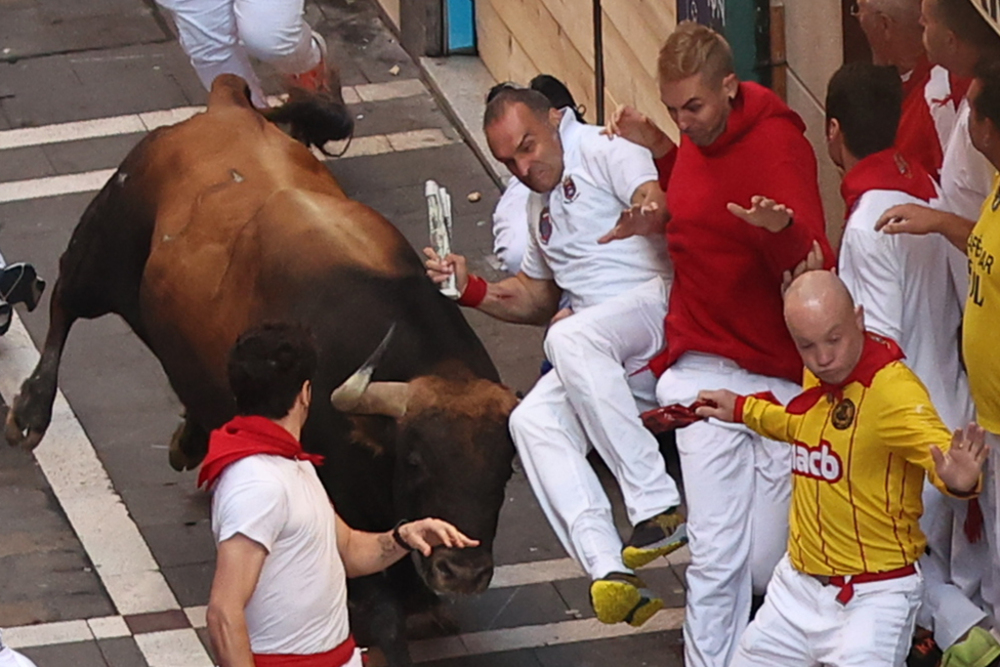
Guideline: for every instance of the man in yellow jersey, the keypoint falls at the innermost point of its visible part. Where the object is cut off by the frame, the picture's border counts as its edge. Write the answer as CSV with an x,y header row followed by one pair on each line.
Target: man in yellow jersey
x,y
864,433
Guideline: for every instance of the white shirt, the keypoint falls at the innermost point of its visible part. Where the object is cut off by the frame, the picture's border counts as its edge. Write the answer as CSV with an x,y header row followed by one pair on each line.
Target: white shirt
x,y
966,174
510,225
600,175
300,603
909,295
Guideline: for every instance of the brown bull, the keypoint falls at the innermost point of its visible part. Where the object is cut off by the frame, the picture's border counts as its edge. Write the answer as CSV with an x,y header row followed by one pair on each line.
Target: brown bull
x,y
222,222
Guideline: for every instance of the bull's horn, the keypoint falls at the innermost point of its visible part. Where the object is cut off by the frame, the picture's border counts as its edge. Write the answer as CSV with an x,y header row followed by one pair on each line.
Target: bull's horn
x,y
359,395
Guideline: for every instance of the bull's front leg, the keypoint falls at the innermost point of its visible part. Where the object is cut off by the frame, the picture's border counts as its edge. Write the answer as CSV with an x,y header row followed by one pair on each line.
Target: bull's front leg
x,y
31,410
378,618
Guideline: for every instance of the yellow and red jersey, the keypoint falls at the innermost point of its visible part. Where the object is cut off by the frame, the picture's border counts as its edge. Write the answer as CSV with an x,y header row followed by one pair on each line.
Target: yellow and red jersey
x,y
862,449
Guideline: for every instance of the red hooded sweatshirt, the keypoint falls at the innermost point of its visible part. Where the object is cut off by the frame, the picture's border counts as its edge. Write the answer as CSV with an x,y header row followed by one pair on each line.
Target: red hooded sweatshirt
x,y
726,296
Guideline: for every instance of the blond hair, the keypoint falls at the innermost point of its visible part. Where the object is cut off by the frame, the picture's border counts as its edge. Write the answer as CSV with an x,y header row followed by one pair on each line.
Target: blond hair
x,y
695,49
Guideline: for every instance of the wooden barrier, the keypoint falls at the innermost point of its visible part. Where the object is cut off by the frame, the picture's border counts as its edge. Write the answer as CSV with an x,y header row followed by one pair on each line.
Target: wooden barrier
x,y
519,39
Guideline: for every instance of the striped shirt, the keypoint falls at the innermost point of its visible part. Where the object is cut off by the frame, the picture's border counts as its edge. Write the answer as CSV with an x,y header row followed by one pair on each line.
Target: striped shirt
x,y
858,470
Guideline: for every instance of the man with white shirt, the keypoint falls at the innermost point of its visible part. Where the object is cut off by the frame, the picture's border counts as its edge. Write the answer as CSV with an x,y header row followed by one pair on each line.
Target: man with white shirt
x,y
930,93
584,185
279,593
908,295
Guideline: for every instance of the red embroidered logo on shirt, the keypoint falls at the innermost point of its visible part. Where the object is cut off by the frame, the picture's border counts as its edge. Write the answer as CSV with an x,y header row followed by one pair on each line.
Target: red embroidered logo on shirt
x,y
570,192
820,463
545,226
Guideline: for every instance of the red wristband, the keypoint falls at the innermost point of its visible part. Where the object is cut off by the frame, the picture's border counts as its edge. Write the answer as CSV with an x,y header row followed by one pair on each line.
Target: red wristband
x,y
474,292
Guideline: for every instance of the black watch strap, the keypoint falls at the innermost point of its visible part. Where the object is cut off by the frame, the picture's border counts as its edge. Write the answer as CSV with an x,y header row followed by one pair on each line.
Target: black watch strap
x,y
399,538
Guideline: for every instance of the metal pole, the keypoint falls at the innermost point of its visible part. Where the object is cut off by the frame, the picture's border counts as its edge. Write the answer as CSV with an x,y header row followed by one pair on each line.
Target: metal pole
x,y
599,61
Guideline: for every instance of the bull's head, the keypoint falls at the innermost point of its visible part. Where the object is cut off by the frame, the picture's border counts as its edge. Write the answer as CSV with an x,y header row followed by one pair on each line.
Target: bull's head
x,y
453,457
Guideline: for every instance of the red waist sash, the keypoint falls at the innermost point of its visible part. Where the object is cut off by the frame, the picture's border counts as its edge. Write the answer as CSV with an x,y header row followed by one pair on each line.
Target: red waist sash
x,y
335,657
846,584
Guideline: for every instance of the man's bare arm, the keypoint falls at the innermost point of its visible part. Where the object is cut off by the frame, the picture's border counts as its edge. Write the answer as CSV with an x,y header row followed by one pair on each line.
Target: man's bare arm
x,y
519,299
237,569
367,553
917,219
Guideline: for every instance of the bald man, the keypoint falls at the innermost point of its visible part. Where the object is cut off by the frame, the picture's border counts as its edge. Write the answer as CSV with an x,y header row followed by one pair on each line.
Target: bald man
x,y
864,434
931,93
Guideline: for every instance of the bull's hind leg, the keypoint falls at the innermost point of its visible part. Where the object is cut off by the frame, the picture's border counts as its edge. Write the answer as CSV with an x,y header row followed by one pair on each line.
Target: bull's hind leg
x,y
31,410
99,273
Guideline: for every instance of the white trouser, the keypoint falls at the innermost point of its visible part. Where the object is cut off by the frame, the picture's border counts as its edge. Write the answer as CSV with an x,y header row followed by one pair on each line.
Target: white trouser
x,y
737,486
953,569
219,36
803,625
592,398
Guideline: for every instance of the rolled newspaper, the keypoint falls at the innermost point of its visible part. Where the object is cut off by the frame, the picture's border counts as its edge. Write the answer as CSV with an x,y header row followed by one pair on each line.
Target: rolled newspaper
x,y
439,220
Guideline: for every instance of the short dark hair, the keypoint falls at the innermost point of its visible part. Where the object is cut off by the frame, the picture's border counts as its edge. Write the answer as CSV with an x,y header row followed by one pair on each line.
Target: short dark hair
x,y
963,19
504,95
867,101
987,103
557,92
268,366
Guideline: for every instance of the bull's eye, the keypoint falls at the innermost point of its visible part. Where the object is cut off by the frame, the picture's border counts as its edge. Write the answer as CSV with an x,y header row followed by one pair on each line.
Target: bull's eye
x,y
414,459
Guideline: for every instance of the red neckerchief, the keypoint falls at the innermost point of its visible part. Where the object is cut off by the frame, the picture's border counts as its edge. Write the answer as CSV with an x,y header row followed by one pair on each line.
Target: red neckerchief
x,y
878,353
246,436
886,170
919,75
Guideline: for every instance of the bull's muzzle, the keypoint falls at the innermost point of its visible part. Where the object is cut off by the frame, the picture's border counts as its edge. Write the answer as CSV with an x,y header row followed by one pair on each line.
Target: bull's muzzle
x,y
458,571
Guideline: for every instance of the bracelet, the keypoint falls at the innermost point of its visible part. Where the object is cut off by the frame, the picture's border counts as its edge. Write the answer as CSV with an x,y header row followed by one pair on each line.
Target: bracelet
x,y
399,538
474,292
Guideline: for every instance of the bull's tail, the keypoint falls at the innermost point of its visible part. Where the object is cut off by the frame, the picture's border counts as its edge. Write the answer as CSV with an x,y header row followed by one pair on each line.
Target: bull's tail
x,y
314,117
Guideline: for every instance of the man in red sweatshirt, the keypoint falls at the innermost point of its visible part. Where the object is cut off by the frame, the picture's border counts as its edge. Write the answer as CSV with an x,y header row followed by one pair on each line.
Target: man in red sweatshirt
x,y
740,144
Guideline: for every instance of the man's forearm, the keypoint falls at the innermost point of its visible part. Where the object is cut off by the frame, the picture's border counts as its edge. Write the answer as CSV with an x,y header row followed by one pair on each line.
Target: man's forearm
x,y
368,553
956,229
230,639
521,300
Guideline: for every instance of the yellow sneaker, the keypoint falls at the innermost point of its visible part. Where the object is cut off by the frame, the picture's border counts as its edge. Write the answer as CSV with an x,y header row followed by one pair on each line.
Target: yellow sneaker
x,y
623,598
657,536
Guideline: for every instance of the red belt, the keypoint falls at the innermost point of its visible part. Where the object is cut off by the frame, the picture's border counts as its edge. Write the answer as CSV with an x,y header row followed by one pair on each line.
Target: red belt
x,y
335,657
846,583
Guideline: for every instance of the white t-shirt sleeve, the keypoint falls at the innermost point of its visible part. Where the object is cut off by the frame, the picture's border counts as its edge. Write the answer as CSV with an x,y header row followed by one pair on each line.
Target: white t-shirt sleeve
x,y
249,505
534,264
619,163
869,266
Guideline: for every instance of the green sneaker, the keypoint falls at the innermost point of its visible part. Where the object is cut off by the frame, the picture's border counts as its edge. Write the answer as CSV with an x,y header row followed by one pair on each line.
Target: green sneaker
x,y
657,536
621,597
979,649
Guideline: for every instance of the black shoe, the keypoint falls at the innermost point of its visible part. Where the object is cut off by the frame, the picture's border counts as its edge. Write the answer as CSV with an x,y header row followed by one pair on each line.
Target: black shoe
x,y
5,317
19,283
657,536
621,597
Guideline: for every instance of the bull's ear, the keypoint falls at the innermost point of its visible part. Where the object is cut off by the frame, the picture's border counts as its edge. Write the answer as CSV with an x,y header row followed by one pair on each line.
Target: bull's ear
x,y
377,398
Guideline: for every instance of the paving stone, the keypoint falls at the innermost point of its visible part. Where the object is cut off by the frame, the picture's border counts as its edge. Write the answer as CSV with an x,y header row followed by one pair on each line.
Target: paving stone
x,y
100,83
90,154
151,505
76,654
522,658
39,27
523,534
190,583
405,114
20,164
182,544
366,41
660,649
536,604
121,652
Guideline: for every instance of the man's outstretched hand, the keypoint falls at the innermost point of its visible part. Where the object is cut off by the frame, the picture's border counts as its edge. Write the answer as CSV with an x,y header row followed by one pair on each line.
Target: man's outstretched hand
x,y
961,466
425,534
645,220
764,213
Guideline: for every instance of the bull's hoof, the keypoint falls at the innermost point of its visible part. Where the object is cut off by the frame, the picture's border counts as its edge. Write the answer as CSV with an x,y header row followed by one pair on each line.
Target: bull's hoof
x,y
18,435
187,447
